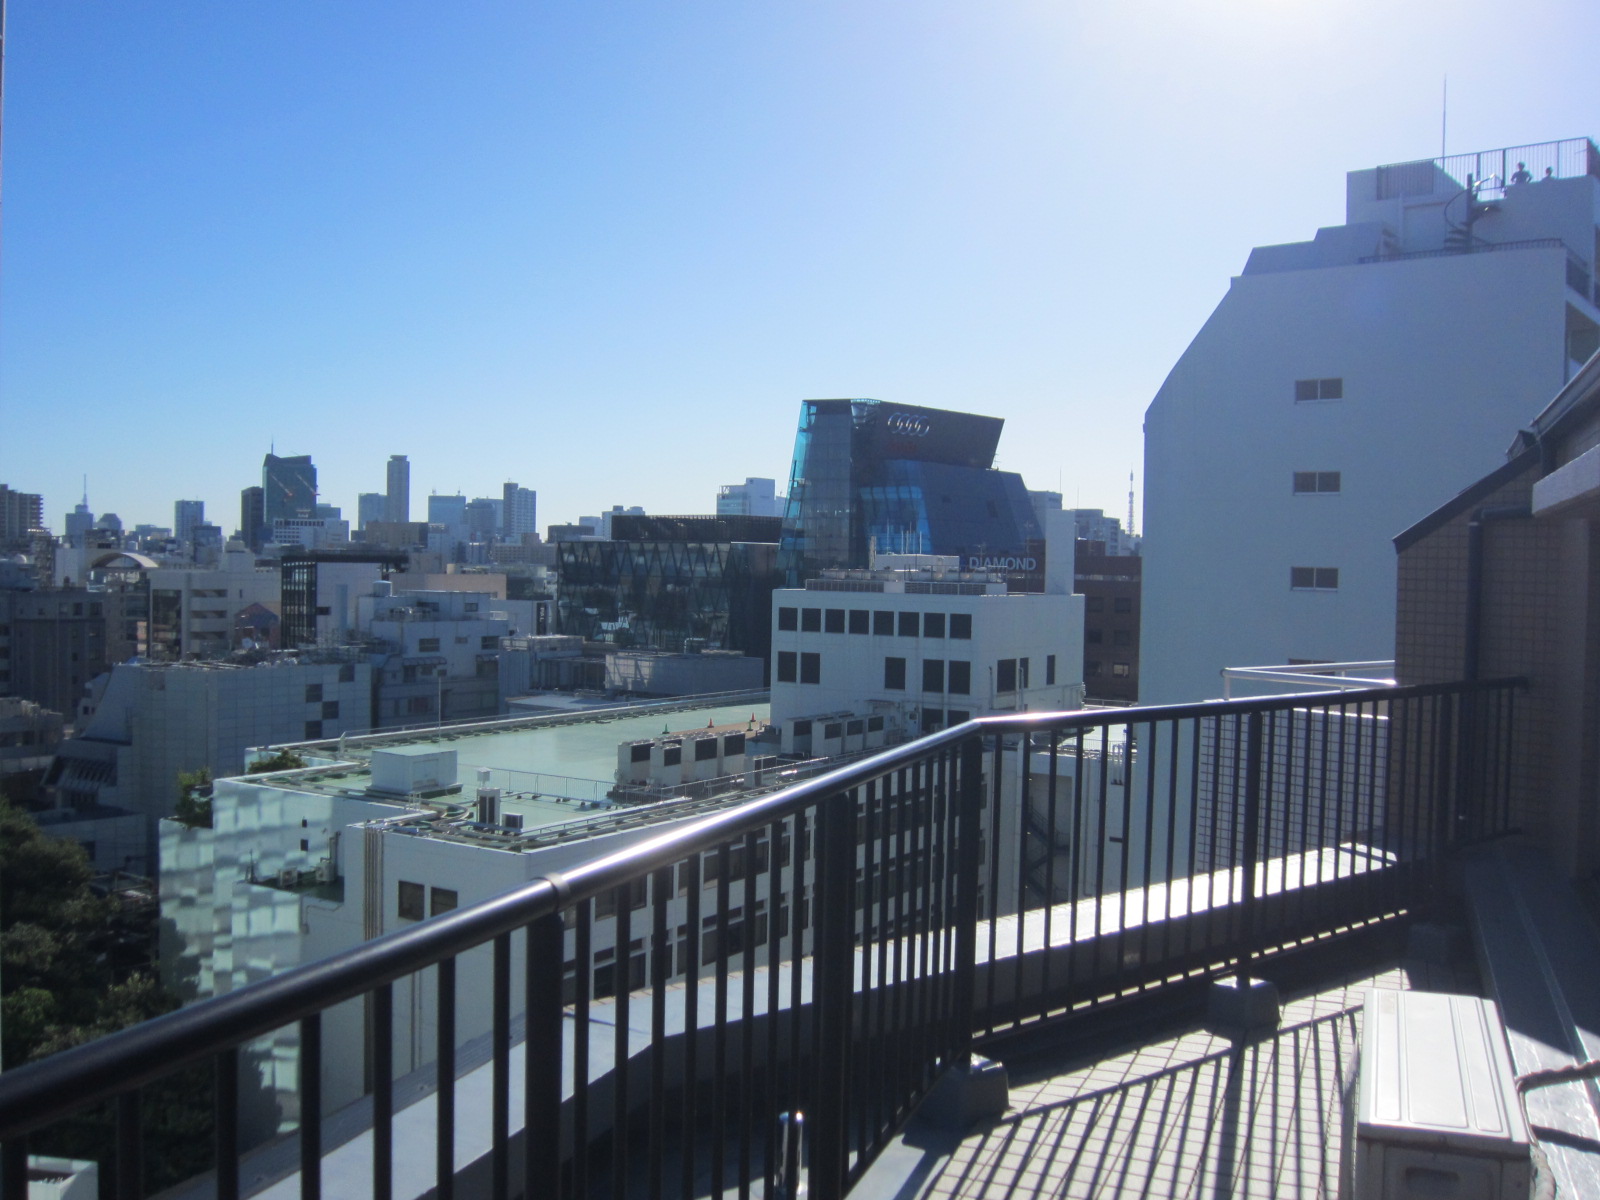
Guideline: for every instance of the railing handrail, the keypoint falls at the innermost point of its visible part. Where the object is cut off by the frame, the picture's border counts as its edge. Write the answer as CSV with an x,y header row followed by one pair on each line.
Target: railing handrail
x,y
34,1094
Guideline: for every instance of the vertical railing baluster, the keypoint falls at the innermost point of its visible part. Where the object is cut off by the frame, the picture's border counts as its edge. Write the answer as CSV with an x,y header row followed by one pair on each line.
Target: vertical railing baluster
x,y
621,989
383,1091
747,1023
500,1103
969,827
1052,798
445,1087
582,1019
660,972
129,1181
689,967
834,967
227,1123
543,1055
1019,987
14,1168
719,1026
310,1107
1252,846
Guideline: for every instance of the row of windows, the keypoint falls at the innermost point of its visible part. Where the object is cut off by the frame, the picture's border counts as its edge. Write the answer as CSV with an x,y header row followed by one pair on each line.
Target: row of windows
x,y
938,675
1313,482
1119,637
879,623
487,641
1120,604
1314,579
1092,667
412,896
1318,389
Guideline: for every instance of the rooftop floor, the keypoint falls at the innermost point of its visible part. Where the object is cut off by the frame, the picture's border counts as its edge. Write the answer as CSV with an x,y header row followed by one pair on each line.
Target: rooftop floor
x,y
1195,1113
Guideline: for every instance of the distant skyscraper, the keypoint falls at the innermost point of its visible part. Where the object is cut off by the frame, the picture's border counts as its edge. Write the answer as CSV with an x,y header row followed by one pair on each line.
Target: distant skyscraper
x,y
186,514
252,517
289,488
79,521
398,505
371,506
20,513
519,511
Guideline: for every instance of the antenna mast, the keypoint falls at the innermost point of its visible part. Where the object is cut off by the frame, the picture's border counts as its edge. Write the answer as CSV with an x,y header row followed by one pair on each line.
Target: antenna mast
x,y
1130,503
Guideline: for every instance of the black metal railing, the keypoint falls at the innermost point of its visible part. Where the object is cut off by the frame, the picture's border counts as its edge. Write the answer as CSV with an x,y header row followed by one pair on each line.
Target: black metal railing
x,y
830,950
1495,169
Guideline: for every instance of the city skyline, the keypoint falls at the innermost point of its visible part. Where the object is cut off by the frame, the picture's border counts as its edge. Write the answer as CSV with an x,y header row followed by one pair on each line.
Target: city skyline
x,y
657,231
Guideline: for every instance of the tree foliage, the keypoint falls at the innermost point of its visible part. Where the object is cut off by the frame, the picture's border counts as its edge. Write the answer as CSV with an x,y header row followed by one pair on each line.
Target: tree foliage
x,y
283,760
194,798
58,989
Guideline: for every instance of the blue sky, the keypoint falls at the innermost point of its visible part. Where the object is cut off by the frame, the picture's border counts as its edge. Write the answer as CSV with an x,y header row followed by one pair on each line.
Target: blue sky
x,y
604,249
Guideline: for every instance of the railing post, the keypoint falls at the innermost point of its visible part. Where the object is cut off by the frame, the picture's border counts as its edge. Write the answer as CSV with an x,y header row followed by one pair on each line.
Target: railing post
x,y
969,831
1252,840
833,961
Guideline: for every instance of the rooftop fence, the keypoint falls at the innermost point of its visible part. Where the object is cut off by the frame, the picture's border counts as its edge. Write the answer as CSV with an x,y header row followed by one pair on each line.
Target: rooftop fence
x,y
832,949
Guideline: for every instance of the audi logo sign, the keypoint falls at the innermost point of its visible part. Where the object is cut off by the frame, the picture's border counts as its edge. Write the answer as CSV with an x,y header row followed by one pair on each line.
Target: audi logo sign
x,y
907,425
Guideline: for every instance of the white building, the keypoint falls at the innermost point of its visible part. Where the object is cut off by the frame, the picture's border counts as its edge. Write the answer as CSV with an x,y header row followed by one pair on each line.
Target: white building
x,y
153,720
858,654
194,612
1339,389
752,498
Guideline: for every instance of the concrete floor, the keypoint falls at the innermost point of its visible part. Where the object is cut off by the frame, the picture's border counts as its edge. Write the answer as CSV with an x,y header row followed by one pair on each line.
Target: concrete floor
x,y
1198,1113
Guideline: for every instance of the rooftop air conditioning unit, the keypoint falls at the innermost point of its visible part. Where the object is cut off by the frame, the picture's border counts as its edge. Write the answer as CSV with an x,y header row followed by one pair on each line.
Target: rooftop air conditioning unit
x,y
289,877
327,872
1438,1113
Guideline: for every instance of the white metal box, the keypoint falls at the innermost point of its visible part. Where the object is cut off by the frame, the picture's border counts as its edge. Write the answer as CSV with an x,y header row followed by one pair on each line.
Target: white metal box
x,y
1438,1114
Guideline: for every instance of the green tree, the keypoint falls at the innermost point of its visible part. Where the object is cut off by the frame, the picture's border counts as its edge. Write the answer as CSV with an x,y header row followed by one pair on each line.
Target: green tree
x,y
283,760
57,990
194,799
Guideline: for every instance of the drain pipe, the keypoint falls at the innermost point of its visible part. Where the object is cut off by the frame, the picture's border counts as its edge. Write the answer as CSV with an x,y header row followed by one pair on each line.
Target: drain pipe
x,y
1474,617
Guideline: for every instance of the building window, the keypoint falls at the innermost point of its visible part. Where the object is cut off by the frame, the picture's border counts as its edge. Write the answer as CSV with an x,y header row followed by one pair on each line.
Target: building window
x,y
788,666
933,674
428,645
1314,579
313,730
810,620
1318,389
874,724
1120,670
932,720
883,624
1122,637
933,625
909,624
894,674
1022,674
960,677
1094,636
441,900
411,899
789,618
961,625
1307,483
834,622
1091,668
1050,670
347,673
1095,604
1122,604
330,710
1006,675
489,641
859,620
810,668
957,716
416,705
313,693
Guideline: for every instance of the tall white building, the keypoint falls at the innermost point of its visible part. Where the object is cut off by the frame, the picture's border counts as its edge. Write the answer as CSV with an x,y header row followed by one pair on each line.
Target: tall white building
x,y
519,511
186,514
1341,386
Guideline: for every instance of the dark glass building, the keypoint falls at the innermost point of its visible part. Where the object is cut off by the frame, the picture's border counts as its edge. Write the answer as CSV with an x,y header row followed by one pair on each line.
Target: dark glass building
x,y
662,581
908,480
288,487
